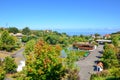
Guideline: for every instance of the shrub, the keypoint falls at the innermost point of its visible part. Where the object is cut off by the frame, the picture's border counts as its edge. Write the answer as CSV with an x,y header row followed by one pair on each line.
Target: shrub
x,y
2,73
29,47
9,65
72,74
7,41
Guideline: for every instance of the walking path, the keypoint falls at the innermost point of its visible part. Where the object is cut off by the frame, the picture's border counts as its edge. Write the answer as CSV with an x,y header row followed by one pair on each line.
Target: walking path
x,y
87,65
19,54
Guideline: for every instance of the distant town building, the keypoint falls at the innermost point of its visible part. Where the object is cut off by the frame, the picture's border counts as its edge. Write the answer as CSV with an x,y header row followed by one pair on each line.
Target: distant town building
x,y
107,36
93,36
18,35
48,31
97,37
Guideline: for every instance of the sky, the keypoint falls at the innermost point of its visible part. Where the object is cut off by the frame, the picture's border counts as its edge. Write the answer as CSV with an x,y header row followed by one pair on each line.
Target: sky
x,y
61,14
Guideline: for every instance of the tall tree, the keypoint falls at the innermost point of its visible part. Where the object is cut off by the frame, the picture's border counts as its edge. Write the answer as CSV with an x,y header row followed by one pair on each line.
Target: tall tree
x,y
7,41
109,56
44,63
13,30
115,41
29,46
26,31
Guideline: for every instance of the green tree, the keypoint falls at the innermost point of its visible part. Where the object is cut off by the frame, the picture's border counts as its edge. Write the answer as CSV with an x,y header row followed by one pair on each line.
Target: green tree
x,y
39,33
13,30
44,63
7,42
29,46
26,31
9,65
109,56
52,39
115,41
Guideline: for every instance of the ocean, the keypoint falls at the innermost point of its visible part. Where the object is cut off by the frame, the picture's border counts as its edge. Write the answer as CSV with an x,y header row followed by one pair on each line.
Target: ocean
x,y
86,32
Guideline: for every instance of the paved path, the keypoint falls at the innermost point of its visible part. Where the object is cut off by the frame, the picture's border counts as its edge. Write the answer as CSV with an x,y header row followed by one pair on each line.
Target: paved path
x,y
19,54
87,65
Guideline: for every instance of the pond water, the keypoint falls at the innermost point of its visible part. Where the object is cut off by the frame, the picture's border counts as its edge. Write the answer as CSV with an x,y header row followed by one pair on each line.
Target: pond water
x,y
64,54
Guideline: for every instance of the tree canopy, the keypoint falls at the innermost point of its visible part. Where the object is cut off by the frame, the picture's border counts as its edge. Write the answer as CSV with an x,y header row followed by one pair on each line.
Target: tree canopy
x,y
13,30
29,47
109,56
7,42
10,65
44,63
26,31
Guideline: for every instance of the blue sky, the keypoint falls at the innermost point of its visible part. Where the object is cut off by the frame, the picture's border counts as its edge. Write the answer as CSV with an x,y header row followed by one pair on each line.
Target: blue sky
x,y
61,14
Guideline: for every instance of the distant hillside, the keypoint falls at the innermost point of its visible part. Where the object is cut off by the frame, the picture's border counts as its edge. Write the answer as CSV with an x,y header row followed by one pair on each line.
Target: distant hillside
x,y
116,32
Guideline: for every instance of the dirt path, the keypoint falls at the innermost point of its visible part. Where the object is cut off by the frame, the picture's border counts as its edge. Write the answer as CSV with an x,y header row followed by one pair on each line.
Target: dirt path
x,y
87,65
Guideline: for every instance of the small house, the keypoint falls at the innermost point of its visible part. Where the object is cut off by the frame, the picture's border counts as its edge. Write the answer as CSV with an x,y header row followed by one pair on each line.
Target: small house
x,y
107,36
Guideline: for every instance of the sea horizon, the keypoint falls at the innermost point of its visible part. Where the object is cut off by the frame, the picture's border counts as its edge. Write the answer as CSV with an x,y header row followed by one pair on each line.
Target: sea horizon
x,y
86,32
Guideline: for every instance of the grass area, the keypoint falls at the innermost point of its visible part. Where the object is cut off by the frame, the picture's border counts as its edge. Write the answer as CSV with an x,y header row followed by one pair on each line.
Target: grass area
x,y
81,53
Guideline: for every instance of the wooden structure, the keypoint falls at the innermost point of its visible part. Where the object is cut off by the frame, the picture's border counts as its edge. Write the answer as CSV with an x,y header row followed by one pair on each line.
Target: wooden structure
x,y
83,46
